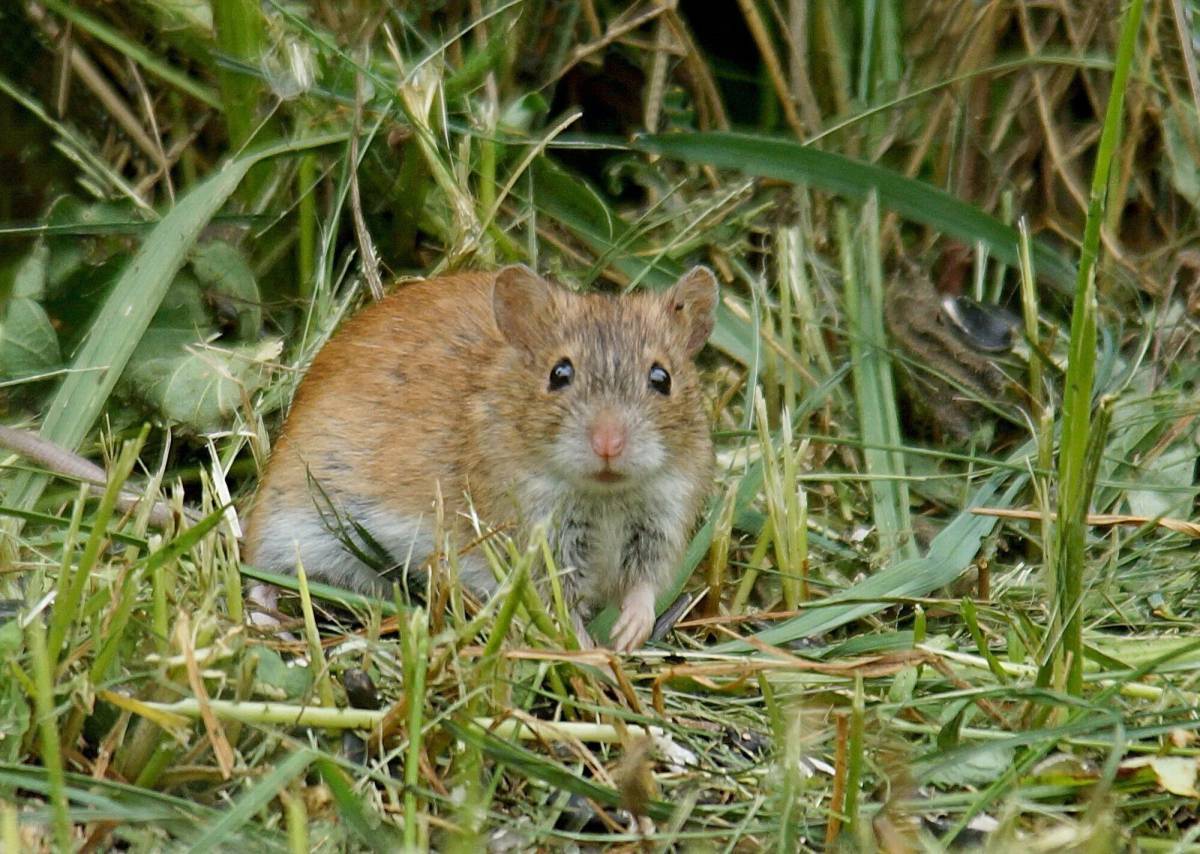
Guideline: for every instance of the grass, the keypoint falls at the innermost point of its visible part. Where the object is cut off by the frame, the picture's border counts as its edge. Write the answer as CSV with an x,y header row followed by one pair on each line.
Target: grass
x,y
860,662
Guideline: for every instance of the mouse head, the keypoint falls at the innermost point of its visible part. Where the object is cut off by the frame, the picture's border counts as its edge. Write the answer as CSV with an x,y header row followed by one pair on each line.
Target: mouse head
x,y
608,390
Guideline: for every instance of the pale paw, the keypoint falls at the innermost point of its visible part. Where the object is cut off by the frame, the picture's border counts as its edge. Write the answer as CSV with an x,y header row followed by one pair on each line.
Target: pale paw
x,y
262,609
633,627
262,597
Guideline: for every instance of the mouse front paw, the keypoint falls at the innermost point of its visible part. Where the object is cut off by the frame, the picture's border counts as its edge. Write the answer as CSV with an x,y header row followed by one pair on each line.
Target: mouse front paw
x,y
633,627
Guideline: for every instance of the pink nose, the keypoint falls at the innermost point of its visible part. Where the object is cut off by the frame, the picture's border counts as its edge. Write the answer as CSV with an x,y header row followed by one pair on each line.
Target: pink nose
x,y
608,440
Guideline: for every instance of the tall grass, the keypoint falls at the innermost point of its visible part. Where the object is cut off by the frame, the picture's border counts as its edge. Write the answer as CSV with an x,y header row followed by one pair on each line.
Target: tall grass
x,y
1075,481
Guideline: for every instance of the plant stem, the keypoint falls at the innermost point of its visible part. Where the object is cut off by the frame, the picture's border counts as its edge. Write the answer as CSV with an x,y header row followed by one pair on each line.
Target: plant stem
x,y
1074,487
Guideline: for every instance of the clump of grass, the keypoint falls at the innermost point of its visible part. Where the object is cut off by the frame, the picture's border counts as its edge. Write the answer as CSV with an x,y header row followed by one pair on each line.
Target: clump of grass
x,y
876,665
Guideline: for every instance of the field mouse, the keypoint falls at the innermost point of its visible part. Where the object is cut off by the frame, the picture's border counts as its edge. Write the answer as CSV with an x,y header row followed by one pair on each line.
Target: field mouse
x,y
582,411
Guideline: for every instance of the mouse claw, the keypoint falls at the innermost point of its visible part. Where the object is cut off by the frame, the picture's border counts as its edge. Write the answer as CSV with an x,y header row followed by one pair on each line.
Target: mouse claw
x,y
636,622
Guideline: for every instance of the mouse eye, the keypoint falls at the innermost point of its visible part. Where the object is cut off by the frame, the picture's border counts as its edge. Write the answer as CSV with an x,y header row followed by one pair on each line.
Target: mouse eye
x,y
660,380
561,374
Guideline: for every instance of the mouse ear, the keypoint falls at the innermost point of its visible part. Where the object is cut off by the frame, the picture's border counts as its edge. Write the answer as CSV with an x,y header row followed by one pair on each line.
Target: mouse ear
x,y
520,299
692,305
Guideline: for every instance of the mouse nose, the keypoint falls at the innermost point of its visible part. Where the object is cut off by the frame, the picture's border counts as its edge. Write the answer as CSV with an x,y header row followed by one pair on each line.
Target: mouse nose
x,y
608,438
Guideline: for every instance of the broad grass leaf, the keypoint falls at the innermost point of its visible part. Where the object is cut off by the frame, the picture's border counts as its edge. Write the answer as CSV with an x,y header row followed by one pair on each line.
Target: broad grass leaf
x,y
794,162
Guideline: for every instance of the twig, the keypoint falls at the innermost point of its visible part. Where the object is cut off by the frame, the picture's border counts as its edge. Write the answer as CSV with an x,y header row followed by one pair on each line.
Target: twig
x,y
59,460
774,68
366,248
108,97
615,31
1179,526
148,109
708,96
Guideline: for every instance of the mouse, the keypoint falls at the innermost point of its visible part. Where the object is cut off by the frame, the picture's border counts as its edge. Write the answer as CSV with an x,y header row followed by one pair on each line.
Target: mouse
x,y
520,403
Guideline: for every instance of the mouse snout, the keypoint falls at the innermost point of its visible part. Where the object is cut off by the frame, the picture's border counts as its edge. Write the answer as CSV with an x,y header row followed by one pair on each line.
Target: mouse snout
x,y
608,437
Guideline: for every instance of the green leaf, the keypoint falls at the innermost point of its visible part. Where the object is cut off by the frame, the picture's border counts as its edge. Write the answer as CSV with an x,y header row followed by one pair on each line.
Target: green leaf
x,y
83,237
223,269
15,714
785,160
28,342
174,373
977,767
520,114
125,314
1180,128
30,279
275,679
1166,485
195,385
181,312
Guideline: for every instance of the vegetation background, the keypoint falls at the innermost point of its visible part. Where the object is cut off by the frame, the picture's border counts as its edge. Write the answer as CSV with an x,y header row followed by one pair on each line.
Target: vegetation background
x,y
197,191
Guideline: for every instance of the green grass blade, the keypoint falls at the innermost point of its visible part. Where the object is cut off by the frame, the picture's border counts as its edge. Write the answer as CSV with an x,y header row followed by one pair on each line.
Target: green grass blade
x,y
94,800
1074,486
790,161
183,542
72,584
318,590
240,36
61,522
223,831
874,390
42,665
354,811
532,765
